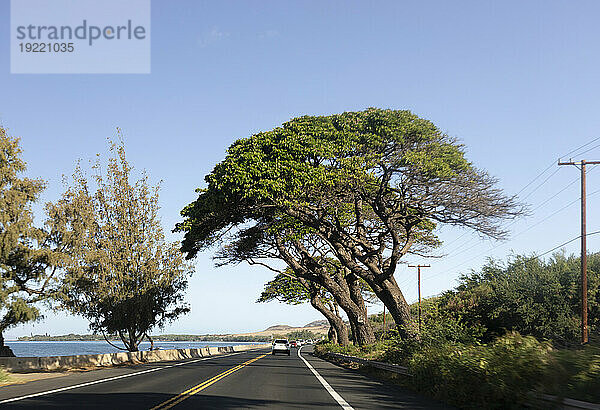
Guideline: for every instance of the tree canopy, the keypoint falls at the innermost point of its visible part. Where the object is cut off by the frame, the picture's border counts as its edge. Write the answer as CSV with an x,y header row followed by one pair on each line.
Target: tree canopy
x,y
371,186
285,289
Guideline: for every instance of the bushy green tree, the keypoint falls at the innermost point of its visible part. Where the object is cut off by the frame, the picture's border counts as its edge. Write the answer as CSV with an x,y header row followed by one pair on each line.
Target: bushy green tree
x,y
23,257
120,273
528,295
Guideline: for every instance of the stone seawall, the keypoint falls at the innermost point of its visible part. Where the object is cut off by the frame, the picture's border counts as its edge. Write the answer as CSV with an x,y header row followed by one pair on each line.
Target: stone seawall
x,y
55,363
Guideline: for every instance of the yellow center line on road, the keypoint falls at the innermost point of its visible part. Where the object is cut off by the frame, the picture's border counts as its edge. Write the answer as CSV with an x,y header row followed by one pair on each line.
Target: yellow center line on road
x,y
199,387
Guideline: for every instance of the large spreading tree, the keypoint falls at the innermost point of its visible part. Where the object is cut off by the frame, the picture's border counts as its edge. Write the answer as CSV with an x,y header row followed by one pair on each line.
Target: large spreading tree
x,y
370,186
119,271
23,256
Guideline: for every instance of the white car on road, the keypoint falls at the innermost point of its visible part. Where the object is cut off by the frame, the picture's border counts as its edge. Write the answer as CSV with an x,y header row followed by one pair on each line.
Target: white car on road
x,y
280,346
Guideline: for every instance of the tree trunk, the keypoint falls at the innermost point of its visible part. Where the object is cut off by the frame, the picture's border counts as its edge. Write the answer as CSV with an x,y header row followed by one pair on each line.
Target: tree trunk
x,y
332,334
131,342
361,328
352,331
391,296
352,304
385,287
355,289
363,331
151,341
335,321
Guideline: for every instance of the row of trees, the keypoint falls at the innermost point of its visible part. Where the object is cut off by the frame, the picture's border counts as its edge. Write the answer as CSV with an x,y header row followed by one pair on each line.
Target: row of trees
x,y
101,253
332,205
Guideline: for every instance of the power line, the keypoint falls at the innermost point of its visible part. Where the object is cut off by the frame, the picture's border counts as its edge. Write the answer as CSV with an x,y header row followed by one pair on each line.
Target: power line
x,y
548,199
537,207
540,185
563,244
577,149
477,243
454,240
588,150
552,164
456,248
534,179
554,213
535,257
556,194
520,233
409,280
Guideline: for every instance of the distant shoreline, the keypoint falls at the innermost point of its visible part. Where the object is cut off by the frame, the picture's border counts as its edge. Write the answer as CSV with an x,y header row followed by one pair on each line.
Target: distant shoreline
x,y
315,329
157,338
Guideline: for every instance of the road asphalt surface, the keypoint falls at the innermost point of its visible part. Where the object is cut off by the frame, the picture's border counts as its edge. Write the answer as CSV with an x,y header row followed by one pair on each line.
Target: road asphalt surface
x,y
245,380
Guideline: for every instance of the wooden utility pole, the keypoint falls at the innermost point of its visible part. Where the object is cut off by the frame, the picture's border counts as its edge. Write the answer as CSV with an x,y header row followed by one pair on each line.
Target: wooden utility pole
x,y
419,287
384,325
584,325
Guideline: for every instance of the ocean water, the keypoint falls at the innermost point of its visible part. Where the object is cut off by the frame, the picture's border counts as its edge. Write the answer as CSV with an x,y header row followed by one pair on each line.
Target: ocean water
x,y
41,349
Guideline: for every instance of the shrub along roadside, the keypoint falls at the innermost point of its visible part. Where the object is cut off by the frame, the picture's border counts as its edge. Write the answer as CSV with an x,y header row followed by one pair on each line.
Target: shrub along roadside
x,y
495,375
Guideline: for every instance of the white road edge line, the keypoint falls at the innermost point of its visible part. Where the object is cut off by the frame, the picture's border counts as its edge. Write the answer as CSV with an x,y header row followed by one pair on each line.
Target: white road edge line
x,y
343,403
76,386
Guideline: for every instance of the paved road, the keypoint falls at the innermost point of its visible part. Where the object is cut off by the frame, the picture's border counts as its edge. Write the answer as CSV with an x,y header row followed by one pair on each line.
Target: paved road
x,y
253,379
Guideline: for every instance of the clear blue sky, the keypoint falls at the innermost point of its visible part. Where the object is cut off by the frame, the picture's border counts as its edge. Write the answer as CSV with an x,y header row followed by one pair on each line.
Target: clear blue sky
x,y
517,82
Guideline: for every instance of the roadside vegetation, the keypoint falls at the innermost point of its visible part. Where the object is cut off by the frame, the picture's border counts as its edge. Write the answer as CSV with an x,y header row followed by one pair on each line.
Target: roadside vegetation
x,y
505,331
25,253
4,377
302,335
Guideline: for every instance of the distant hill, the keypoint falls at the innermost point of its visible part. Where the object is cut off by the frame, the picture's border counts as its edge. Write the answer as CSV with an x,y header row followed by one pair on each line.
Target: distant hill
x,y
282,330
277,327
317,323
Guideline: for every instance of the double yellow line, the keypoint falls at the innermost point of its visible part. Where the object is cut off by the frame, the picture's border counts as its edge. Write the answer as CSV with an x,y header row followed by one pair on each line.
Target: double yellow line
x,y
199,387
